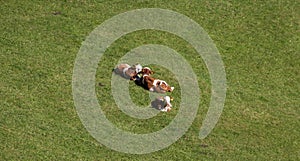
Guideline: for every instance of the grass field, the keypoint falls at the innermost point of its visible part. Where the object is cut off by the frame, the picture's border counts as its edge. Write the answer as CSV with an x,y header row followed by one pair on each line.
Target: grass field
x,y
259,45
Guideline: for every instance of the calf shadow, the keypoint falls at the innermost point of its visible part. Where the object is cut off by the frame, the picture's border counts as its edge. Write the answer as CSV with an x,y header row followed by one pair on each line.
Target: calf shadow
x,y
114,70
157,104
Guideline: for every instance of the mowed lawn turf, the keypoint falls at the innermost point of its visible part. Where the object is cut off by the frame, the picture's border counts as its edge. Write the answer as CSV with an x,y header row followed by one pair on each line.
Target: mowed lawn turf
x,y
259,45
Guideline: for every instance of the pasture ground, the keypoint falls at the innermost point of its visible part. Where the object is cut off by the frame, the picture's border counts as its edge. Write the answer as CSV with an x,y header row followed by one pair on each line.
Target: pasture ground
x,y
259,45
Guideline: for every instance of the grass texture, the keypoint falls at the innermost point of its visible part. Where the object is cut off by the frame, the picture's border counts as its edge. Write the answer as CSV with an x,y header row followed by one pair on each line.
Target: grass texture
x,y
258,42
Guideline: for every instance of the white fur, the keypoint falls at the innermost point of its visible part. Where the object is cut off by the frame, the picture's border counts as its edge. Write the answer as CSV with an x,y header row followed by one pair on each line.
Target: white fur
x,y
155,82
138,68
168,100
151,89
125,70
147,68
169,105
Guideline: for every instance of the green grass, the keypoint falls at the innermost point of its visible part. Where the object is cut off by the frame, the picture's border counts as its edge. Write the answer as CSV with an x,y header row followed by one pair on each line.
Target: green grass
x,y
259,45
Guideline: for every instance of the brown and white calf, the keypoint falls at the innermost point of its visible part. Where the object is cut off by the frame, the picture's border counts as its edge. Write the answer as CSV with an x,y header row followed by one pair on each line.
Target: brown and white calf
x,y
127,71
162,103
155,85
